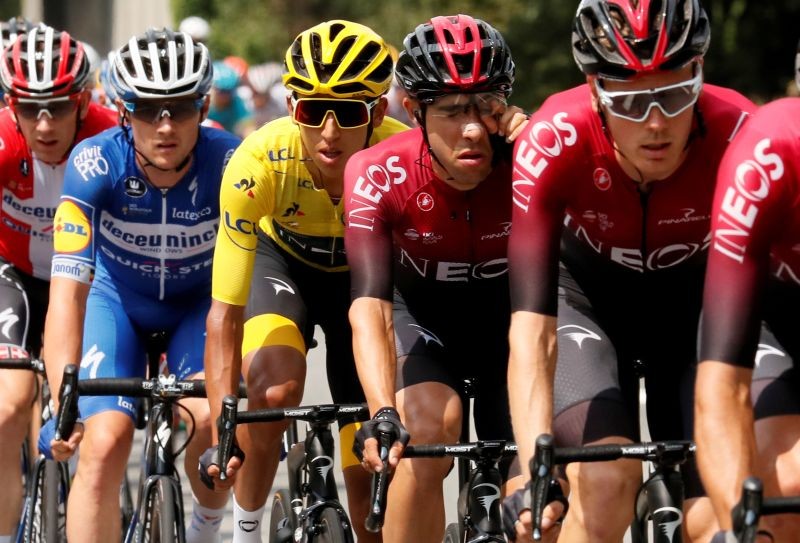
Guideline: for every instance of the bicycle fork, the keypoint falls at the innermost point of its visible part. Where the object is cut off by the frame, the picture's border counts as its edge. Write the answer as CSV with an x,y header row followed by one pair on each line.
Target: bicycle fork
x,y
662,494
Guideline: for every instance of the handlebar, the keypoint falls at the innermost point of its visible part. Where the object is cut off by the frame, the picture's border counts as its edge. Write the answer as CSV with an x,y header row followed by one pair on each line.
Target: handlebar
x,y
226,428
481,450
380,480
22,362
752,506
324,413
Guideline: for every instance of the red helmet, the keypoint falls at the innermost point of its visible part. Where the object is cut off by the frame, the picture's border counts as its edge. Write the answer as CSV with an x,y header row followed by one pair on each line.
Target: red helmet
x,y
618,39
44,63
454,54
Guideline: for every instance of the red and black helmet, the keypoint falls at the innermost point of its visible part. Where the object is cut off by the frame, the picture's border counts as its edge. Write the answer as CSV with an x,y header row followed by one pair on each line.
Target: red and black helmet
x,y
44,63
454,54
619,39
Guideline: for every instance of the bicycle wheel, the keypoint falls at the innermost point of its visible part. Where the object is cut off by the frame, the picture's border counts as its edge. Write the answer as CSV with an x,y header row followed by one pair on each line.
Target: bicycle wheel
x,y
452,534
47,511
125,504
331,529
161,520
282,520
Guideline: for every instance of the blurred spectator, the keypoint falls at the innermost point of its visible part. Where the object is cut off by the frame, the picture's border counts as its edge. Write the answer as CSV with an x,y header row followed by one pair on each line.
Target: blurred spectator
x,y
197,27
227,107
395,97
268,100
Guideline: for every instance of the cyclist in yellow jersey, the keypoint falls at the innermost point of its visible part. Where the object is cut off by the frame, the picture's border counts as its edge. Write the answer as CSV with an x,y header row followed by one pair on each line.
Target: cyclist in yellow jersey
x,y
279,264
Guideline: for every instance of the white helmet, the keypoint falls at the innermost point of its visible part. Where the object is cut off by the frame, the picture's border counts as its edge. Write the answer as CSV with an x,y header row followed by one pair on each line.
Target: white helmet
x,y
161,64
196,27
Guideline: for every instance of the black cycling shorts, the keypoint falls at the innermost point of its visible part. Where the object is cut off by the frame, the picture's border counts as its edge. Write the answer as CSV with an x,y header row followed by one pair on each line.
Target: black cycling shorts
x,y
23,307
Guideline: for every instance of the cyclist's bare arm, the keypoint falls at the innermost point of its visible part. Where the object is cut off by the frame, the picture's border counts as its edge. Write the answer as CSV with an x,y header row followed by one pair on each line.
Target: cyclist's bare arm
x,y
223,355
375,355
726,445
531,372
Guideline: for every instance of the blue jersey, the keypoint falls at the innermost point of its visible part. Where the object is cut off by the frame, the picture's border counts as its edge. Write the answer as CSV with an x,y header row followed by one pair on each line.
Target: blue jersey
x,y
152,243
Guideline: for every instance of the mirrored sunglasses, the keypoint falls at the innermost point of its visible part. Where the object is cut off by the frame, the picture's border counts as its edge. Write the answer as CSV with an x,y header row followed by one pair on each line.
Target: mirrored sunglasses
x,y
55,108
672,100
153,112
461,107
348,113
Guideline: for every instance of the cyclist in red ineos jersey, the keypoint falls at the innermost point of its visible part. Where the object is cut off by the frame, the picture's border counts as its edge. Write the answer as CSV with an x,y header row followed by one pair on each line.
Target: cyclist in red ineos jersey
x,y
427,213
613,183
752,294
43,74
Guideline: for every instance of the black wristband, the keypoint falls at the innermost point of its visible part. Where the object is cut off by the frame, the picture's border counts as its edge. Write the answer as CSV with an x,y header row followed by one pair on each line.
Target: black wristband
x,y
386,410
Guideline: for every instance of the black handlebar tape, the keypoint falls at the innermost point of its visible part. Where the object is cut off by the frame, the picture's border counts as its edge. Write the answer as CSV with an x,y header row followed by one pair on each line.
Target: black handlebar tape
x,y
68,403
541,467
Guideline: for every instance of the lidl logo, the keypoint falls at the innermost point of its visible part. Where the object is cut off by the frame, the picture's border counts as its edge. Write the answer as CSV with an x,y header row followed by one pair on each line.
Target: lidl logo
x,y
72,229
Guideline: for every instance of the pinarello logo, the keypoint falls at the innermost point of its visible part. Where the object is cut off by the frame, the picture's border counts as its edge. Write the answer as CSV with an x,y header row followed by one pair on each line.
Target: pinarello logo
x,y
425,201
602,179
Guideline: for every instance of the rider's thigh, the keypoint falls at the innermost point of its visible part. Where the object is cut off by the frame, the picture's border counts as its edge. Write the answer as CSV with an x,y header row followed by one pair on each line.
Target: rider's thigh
x,y
275,376
431,412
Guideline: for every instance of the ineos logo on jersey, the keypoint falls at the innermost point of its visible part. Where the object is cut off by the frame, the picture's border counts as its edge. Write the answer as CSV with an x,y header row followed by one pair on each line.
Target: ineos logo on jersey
x,y
752,182
544,141
135,187
454,271
369,189
90,162
658,259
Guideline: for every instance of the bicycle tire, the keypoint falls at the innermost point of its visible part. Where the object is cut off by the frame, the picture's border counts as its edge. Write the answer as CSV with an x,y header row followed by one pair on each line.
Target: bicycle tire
x,y
330,528
45,521
126,507
160,518
452,534
282,520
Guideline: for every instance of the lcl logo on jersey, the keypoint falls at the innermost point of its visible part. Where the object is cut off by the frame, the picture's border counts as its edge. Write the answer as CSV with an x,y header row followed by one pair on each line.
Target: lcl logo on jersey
x,y
135,187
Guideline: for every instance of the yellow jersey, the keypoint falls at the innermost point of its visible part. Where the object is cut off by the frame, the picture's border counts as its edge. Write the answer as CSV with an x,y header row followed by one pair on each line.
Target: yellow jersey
x,y
267,187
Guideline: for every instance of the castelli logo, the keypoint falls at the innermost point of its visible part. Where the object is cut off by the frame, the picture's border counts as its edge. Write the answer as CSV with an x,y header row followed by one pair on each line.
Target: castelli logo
x,y
425,201
602,179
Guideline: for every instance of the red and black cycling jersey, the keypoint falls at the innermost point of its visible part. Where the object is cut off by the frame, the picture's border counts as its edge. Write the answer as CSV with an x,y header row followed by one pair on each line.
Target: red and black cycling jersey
x,y
31,192
407,228
566,174
756,231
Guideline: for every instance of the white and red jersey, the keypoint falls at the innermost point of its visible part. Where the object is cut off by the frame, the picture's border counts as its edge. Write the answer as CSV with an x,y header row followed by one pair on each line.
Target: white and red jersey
x,y
756,230
31,193
567,180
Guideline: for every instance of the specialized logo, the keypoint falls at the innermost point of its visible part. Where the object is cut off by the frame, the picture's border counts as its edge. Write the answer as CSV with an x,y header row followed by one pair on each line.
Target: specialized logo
x,y
73,231
427,335
487,500
293,211
602,179
90,162
280,285
668,527
323,466
193,186
425,201
162,437
578,334
248,525
246,186
8,319
92,360
766,350
135,187
24,167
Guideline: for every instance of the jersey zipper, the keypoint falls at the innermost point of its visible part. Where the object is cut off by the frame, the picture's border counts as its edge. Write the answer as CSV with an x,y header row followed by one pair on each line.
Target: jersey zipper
x,y
162,280
333,238
644,197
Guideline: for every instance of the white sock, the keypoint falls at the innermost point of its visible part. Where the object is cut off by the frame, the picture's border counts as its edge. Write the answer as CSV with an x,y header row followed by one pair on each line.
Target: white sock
x,y
247,524
204,527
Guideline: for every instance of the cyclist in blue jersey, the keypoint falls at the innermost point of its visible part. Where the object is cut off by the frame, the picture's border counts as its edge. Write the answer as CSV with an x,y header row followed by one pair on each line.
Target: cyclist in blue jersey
x,y
134,238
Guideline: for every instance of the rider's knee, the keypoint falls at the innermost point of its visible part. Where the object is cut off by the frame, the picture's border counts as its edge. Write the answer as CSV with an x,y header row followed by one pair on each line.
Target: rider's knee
x,y
602,483
14,420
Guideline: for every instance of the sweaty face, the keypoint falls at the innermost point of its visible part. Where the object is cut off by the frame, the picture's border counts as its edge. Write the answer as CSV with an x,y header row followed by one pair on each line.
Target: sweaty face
x,y
458,128
165,131
50,128
653,148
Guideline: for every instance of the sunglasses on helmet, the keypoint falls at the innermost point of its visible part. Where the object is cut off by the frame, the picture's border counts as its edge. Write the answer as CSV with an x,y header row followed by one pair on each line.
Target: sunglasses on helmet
x,y
153,112
311,112
55,108
635,106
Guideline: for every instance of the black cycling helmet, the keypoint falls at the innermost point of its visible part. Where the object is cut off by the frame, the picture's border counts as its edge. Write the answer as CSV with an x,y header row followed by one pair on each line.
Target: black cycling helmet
x,y
619,39
454,54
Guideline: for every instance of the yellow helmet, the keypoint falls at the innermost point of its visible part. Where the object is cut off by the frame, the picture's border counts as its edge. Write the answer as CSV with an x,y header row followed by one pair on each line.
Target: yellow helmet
x,y
339,58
